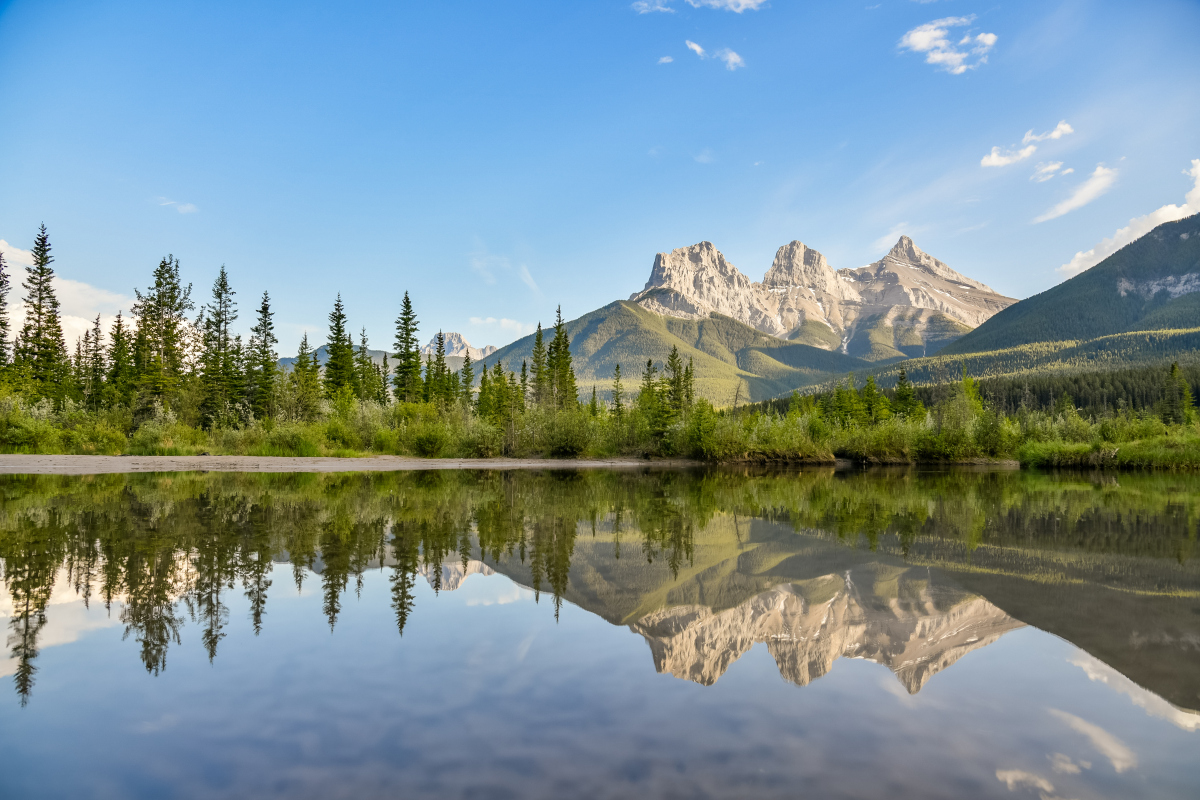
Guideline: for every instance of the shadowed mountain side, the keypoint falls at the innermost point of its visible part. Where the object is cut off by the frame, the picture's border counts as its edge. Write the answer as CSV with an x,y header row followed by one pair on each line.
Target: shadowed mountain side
x,y
1150,284
726,353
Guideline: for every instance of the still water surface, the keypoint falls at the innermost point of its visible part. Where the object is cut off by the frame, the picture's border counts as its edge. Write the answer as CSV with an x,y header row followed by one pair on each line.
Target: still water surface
x,y
601,634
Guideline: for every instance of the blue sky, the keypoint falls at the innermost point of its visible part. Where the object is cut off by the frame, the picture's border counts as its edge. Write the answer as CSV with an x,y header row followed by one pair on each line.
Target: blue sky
x,y
498,158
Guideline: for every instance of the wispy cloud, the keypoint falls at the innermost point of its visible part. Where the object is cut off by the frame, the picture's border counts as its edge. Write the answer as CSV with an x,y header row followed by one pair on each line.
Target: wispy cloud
x,y
182,208
732,60
695,48
705,156
1060,130
1100,181
1020,779
1137,227
527,279
504,324
1002,158
650,6
15,256
665,60
1046,171
736,6
894,233
1112,748
933,40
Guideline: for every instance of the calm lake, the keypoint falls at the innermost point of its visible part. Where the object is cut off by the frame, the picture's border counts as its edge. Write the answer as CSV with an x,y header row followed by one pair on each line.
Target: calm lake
x,y
601,634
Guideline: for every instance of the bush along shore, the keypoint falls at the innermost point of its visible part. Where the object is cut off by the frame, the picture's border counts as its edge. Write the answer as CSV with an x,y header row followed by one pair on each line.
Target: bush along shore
x,y
167,383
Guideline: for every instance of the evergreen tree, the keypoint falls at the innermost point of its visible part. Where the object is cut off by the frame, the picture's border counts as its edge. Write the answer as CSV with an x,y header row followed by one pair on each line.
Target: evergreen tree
x,y
524,385
407,379
305,380
562,373
689,384
5,332
540,372
1176,404
618,394
593,405
121,381
41,351
263,369
219,378
385,374
874,402
367,377
92,366
906,397
437,375
339,353
467,380
161,340
675,383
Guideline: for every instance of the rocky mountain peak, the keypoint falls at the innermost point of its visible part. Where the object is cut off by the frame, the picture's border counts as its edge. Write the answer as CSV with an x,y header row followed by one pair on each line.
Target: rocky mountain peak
x,y
798,265
906,252
457,345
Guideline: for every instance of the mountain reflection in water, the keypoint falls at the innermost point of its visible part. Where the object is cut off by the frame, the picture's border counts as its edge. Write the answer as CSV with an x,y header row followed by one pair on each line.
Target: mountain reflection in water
x,y
908,569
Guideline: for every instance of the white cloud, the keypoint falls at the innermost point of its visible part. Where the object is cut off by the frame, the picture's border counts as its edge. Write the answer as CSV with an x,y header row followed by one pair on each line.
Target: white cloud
x,y
1002,158
1047,170
650,6
1060,130
1096,185
886,241
182,208
1152,704
527,279
933,39
695,48
79,303
732,60
1064,764
736,6
705,156
1020,779
15,256
1137,228
1112,748
665,60
519,328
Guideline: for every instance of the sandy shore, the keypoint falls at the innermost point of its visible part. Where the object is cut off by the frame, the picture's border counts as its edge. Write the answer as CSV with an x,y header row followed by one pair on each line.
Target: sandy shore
x,y
97,465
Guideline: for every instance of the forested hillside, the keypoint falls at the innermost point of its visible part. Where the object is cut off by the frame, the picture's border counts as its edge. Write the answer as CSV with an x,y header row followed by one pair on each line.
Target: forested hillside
x,y
1150,284
729,358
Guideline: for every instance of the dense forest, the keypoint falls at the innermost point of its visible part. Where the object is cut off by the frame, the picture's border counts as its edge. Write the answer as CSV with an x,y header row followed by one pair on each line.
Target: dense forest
x,y
167,382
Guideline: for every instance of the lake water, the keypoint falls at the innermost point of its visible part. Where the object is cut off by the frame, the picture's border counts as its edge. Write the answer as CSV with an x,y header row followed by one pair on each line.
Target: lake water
x,y
601,634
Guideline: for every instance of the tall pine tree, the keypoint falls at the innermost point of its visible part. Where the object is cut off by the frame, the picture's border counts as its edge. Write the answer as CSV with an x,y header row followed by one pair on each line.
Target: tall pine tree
x,y
263,371
407,378
121,381
41,351
339,352
5,332
219,357
162,338
562,373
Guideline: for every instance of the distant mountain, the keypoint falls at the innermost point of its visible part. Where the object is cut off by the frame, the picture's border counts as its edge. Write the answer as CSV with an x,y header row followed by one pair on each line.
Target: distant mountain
x,y
906,304
457,345
1151,284
731,358
454,362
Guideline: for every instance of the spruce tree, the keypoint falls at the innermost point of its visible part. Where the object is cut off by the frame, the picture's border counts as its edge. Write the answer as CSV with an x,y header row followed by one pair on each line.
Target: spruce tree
x,y
218,368
467,379
339,352
437,376
41,351
161,340
905,395
618,394
366,373
121,381
562,373
92,366
407,379
263,371
5,332
675,382
539,369
524,386
305,379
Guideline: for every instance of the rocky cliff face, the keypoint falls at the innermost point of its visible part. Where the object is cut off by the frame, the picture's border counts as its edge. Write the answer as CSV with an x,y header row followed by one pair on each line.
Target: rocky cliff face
x,y
458,346
897,306
452,575
916,631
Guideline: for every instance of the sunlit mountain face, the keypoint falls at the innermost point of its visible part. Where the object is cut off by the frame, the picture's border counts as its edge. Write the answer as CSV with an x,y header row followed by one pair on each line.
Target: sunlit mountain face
x,y
573,593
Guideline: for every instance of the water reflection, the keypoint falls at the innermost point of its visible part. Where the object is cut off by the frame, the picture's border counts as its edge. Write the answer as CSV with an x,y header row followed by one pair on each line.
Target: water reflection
x,y
911,570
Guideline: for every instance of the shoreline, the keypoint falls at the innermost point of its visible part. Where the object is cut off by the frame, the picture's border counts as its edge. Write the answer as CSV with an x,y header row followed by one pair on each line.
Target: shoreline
x,y
23,464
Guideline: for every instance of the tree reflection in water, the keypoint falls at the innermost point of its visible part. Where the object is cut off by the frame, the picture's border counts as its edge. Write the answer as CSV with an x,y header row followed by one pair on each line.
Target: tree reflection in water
x,y
718,553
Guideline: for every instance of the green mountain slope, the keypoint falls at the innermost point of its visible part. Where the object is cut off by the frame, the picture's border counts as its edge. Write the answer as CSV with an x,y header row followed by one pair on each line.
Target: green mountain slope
x,y
1150,284
730,358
